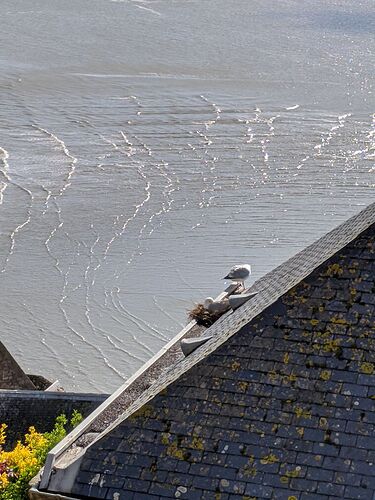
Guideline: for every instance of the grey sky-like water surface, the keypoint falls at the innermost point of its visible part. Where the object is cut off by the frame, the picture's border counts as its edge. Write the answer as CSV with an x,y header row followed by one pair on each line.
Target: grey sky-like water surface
x,y
147,146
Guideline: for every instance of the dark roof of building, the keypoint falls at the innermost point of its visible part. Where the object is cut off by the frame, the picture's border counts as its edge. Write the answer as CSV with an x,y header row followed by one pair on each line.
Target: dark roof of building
x,y
272,286
284,409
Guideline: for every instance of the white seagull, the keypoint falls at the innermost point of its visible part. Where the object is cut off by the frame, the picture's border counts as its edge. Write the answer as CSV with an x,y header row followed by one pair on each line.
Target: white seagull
x,y
239,273
216,306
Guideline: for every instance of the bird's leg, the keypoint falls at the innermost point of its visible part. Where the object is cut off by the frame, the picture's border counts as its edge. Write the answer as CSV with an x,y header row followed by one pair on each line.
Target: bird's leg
x,y
240,286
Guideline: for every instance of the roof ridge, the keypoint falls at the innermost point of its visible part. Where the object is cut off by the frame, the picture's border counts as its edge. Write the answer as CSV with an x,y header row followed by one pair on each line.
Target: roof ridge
x,y
363,223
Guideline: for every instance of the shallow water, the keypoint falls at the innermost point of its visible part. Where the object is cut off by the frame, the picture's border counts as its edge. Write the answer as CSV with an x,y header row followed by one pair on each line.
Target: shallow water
x,y
147,146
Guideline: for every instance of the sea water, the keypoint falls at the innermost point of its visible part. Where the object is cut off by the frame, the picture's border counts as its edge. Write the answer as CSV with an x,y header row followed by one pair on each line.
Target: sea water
x,y
146,146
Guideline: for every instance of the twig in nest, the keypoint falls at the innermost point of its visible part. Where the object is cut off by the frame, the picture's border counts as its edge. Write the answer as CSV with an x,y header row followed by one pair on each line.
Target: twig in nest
x,y
202,316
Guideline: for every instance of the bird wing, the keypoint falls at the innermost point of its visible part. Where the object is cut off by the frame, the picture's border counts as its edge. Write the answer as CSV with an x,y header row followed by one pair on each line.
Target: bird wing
x,y
238,272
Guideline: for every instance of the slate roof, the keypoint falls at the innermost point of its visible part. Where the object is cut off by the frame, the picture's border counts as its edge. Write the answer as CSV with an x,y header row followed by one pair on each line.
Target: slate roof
x,y
284,409
272,286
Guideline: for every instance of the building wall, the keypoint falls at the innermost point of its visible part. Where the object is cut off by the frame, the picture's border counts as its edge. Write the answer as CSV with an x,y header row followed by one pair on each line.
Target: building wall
x,y
285,409
22,409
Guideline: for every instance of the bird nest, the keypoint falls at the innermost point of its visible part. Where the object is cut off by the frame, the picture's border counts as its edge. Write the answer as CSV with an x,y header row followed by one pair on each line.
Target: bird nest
x,y
202,316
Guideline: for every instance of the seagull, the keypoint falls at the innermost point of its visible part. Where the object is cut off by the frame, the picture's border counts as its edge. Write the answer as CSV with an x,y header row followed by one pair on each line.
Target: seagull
x,y
216,306
239,273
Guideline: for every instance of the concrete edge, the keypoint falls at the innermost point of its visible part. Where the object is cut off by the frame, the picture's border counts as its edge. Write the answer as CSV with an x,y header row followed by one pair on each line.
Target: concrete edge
x,y
79,396
55,386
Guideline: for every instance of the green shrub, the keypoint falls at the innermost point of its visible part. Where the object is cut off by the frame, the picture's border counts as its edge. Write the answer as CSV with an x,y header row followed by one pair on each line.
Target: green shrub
x,y
20,465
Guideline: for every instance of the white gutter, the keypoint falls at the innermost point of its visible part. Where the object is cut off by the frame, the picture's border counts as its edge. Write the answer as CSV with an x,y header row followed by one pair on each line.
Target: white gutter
x,y
35,494
63,445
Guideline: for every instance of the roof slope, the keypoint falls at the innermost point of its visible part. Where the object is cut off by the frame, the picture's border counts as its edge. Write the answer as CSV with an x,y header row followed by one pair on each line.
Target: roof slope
x,y
325,341
272,286
283,410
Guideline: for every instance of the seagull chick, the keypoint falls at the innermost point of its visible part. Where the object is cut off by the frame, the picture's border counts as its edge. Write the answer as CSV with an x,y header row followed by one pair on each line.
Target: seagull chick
x,y
216,306
239,273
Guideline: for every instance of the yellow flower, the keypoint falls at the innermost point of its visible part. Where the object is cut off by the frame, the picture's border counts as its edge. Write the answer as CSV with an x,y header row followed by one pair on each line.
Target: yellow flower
x,y
4,481
2,433
19,465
